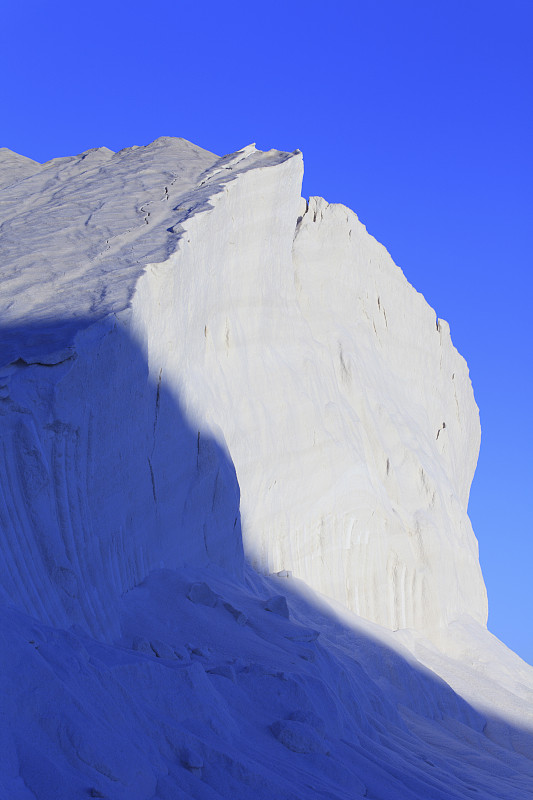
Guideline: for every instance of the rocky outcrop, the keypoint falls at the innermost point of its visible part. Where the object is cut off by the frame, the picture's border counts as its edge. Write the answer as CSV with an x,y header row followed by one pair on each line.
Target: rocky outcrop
x,y
172,317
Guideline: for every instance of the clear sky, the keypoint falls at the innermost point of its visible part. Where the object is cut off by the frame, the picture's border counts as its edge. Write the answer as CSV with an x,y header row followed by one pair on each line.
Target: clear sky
x,y
416,114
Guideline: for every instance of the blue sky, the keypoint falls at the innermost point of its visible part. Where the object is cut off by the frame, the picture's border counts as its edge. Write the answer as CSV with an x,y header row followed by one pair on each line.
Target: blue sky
x,y
417,115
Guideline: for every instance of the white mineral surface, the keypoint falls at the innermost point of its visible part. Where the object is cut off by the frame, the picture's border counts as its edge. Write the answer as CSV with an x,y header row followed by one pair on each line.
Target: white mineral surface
x,y
236,449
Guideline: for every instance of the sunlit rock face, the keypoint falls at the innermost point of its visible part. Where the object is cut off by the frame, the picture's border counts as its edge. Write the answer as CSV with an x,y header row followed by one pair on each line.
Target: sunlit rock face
x,y
178,327
202,374
347,411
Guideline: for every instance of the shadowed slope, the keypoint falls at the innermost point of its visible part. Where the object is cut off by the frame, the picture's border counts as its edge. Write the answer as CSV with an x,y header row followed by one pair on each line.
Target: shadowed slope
x,y
103,480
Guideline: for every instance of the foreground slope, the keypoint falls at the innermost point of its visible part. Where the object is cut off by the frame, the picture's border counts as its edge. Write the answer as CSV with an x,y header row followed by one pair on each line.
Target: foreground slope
x,y
185,341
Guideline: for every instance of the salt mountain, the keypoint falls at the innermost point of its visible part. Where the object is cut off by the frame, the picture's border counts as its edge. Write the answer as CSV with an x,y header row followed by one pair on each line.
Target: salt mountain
x,y
236,453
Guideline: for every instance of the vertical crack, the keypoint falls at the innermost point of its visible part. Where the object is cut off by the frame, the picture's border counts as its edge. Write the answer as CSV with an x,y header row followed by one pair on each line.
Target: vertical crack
x,y
153,480
156,415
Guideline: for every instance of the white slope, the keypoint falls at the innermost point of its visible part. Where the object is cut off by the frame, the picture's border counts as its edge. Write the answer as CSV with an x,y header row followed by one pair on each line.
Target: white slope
x,y
178,329
208,694
15,167
77,232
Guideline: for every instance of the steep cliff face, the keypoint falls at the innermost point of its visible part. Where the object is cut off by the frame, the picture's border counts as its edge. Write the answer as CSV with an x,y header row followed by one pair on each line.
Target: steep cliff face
x,y
403,410
348,413
216,319
201,372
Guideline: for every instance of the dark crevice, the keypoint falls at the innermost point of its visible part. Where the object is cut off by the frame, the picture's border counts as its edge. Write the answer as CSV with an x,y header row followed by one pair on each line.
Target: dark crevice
x,y
153,479
22,362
